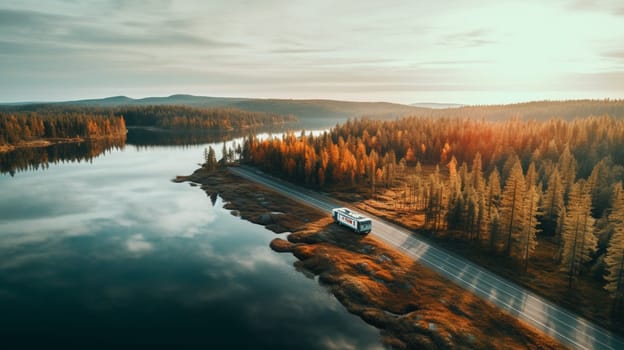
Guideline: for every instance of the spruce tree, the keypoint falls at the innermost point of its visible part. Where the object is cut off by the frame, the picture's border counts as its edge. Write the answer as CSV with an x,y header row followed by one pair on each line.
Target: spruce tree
x,y
512,205
567,169
491,203
614,260
525,241
553,204
579,240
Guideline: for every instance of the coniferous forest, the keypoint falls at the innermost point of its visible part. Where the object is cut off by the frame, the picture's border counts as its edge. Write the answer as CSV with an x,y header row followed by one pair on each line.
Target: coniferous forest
x,y
27,126
504,187
51,122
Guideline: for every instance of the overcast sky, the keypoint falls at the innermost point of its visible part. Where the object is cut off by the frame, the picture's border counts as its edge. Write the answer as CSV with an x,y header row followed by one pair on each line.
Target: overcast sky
x,y
473,51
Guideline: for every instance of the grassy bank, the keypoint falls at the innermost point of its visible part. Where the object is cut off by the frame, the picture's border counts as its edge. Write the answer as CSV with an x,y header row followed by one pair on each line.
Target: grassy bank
x,y
411,305
544,277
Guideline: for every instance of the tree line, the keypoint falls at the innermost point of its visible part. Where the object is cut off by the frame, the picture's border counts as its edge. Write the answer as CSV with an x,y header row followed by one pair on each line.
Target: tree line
x,y
536,110
182,117
499,183
62,121
26,126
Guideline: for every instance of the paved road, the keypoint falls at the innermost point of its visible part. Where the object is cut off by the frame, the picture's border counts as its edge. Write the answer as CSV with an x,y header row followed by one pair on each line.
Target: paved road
x,y
569,329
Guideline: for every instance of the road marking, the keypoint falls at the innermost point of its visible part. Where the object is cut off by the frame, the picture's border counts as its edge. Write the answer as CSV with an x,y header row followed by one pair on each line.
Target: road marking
x,y
440,260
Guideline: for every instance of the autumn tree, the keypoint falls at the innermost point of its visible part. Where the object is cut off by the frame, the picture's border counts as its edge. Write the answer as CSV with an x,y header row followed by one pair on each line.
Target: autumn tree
x,y
512,205
614,259
526,240
491,203
579,240
567,169
553,206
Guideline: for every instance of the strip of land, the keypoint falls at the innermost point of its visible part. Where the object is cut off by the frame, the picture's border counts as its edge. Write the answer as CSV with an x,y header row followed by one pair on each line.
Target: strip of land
x,y
413,306
51,141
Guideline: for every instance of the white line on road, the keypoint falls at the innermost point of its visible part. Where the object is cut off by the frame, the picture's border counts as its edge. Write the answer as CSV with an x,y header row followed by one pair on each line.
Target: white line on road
x,y
551,319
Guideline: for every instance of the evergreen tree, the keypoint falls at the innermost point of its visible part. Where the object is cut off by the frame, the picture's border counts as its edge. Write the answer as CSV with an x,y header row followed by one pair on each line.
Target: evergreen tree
x,y
211,159
512,205
526,240
614,260
579,240
553,207
531,176
567,169
493,196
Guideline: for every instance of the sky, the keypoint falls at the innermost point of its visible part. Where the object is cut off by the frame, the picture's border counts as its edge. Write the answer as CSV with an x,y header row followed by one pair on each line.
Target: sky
x,y
447,51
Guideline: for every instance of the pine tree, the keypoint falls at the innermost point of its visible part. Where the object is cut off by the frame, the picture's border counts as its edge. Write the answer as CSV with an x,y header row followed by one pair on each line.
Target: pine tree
x,y
531,176
211,159
512,205
526,240
602,176
614,260
567,169
579,240
553,207
224,153
481,202
493,196
494,228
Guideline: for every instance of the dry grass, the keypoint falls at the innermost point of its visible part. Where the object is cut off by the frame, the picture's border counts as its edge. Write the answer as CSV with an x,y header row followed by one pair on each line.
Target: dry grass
x,y
544,277
413,306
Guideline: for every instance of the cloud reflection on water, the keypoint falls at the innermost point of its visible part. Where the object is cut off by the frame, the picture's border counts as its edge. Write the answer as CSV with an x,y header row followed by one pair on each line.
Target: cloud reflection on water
x,y
123,254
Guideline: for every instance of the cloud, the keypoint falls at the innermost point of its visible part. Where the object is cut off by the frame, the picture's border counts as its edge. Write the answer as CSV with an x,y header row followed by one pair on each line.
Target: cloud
x,y
297,50
138,244
22,19
472,38
616,55
253,48
584,5
454,62
22,48
597,6
28,30
599,81
147,37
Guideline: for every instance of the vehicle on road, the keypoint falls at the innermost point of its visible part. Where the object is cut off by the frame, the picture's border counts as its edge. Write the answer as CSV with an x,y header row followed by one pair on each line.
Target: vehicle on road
x,y
353,220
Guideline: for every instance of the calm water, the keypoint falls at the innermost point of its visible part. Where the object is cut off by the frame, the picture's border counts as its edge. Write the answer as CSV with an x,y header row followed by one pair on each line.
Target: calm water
x,y
111,251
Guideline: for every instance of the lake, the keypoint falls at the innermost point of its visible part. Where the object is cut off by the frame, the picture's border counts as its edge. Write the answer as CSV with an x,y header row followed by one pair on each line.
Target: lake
x,y
109,251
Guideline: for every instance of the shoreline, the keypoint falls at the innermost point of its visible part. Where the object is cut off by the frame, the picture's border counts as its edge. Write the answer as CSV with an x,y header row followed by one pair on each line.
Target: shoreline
x,y
41,143
412,306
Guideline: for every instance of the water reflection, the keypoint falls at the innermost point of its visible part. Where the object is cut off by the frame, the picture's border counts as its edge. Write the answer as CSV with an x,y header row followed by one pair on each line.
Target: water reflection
x,y
30,159
113,252
147,137
23,159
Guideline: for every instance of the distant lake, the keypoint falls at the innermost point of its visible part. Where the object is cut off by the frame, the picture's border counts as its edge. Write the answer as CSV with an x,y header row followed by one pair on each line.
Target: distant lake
x,y
109,251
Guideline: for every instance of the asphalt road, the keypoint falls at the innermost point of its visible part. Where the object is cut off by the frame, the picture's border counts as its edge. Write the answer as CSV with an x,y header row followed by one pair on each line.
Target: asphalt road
x,y
569,329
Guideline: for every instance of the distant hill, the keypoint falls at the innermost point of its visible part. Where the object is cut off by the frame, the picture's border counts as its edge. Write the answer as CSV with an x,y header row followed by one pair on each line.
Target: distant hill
x,y
184,100
539,110
434,105
305,110
326,113
312,109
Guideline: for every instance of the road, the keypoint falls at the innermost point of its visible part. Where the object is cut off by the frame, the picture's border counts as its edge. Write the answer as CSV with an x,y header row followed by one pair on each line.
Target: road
x,y
569,329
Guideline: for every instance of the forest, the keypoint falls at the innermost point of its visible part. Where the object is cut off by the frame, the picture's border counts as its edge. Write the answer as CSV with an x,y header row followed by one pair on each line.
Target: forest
x,y
536,110
28,123
181,117
16,128
505,187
